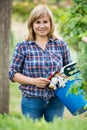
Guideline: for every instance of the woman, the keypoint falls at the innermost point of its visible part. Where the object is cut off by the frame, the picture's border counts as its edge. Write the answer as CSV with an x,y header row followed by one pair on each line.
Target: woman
x,y
34,60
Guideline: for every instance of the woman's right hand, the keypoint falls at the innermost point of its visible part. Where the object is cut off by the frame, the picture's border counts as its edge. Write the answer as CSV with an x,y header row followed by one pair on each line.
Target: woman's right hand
x,y
41,82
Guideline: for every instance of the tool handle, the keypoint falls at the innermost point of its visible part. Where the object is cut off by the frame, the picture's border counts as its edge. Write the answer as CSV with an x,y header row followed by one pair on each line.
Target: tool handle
x,y
51,75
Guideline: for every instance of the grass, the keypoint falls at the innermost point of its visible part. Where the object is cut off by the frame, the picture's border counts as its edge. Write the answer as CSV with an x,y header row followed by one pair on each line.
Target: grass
x,y
15,98
16,122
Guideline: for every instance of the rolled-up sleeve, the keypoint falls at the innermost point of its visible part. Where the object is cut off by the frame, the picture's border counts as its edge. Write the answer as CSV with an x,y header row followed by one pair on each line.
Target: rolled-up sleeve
x,y
17,62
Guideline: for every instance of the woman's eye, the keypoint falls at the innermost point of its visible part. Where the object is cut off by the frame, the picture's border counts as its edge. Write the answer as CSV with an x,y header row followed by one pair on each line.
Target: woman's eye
x,y
45,21
38,22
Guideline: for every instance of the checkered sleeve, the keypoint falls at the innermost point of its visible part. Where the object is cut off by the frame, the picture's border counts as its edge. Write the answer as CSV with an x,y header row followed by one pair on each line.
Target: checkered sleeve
x,y
17,62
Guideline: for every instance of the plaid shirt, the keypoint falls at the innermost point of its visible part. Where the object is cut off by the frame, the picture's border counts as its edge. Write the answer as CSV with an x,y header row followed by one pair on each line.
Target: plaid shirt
x,y
30,60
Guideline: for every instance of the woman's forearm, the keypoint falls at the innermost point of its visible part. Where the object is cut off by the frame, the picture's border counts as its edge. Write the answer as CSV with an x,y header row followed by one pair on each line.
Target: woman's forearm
x,y
39,81
20,78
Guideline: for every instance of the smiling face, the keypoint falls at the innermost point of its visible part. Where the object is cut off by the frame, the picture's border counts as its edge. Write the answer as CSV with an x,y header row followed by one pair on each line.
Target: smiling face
x,y
41,26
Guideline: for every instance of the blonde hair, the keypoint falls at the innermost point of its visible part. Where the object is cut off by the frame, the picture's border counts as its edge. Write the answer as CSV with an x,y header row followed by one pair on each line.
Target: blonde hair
x,y
36,13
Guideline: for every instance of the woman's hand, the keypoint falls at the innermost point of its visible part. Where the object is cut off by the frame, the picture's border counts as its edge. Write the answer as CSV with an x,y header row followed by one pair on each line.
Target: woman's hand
x,y
41,82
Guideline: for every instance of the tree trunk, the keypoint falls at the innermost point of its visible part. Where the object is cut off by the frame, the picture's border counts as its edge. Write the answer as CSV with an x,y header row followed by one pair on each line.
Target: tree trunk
x,y
5,22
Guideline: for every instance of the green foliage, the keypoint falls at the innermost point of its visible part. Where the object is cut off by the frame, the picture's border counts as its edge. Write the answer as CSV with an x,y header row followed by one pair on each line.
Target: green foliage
x,y
73,23
17,122
79,88
73,27
57,12
22,9
83,66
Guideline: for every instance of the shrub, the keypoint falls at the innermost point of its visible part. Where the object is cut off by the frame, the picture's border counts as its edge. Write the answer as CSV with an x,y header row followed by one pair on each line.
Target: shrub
x,y
73,23
73,27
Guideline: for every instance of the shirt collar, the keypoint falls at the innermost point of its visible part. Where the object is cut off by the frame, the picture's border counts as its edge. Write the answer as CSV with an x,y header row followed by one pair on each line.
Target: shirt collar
x,y
30,42
49,40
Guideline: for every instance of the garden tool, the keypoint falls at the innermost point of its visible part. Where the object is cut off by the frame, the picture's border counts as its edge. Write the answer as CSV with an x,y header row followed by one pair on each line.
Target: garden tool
x,y
60,78
57,82
67,70
70,69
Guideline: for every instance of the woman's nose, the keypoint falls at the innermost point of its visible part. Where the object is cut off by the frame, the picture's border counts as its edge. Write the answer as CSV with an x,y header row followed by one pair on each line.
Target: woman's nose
x,y
41,25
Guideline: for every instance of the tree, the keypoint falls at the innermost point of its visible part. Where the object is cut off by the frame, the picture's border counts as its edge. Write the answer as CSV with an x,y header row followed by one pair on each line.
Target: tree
x,y
5,22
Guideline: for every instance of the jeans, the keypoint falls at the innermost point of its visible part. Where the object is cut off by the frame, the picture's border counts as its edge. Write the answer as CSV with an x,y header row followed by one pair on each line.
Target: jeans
x,y
36,108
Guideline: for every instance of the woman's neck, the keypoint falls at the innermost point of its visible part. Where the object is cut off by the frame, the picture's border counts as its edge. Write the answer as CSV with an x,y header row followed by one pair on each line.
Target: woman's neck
x,y
41,39
42,42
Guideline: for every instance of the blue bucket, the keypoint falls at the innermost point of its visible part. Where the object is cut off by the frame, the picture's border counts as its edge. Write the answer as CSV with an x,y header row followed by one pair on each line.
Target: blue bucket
x,y
76,104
